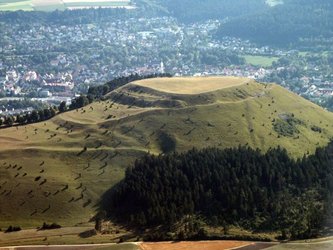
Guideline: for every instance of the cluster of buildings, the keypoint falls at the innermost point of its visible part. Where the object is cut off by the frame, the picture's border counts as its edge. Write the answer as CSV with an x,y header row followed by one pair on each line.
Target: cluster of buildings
x,y
257,73
96,53
316,87
55,60
21,84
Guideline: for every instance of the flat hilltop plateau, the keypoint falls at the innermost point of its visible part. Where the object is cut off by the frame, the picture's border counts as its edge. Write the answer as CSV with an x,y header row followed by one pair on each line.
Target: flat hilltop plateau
x,y
57,170
191,85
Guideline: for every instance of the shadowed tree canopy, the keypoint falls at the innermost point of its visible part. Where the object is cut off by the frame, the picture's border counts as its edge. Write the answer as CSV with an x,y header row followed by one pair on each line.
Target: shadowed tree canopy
x,y
200,10
296,22
241,186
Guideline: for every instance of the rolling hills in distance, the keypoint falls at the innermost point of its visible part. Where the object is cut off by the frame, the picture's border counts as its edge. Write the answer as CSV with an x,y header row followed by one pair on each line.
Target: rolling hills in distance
x,y
57,170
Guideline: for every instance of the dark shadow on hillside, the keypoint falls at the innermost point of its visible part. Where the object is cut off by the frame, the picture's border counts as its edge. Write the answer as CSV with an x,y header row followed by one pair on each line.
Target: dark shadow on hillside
x,y
88,234
167,142
103,213
104,203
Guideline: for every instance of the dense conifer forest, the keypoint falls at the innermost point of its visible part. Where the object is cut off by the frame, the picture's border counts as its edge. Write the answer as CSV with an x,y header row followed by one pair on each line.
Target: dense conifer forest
x,y
295,23
198,10
238,186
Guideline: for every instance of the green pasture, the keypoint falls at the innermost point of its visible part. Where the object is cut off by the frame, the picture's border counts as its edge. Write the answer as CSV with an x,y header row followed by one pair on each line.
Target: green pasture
x,y
263,61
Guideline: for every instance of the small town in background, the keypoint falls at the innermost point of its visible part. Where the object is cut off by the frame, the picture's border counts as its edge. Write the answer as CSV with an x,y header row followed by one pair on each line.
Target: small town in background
x,y
52,63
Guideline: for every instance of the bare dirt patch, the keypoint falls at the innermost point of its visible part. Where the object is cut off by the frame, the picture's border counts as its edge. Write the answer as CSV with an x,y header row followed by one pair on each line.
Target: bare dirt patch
x,y
194,245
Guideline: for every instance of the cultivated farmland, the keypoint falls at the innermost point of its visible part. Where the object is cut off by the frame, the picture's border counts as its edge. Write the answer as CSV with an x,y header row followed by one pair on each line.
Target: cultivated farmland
x,y
50,5
263,61
13,5
211,245
273,3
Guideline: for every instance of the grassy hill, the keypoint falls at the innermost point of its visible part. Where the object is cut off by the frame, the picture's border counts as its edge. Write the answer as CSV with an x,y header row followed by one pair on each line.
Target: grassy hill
x,y
55,171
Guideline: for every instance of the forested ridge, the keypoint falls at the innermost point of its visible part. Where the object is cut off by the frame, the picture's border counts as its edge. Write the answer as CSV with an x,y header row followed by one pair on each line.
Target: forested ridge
x,y
199,10
296,22
238,186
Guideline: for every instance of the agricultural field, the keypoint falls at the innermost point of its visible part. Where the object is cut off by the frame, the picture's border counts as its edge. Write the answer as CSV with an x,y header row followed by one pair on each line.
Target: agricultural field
x,y
13,5
322,54
208,245
50,5
273,3
57,170
263,61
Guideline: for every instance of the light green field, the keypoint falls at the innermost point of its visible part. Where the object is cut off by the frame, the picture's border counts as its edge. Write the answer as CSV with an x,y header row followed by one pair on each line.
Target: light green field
x,y
303,53
137,119
13,5
95,3
263,61
50,5
323,54
273,3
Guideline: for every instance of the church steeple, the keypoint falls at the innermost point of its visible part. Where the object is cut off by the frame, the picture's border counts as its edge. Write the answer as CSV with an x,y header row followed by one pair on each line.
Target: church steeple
x,y
162,68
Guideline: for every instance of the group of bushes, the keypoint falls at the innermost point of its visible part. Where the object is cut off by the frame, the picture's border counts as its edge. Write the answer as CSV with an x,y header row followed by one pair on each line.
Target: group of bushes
x,y
287,125
201,235
34,116
43,114
45,226
11,229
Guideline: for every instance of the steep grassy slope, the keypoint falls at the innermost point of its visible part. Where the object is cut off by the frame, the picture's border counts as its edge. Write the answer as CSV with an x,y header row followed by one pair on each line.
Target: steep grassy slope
x,y
57,170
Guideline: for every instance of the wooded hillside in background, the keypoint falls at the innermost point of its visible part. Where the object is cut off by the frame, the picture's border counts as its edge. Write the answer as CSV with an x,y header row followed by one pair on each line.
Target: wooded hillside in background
x,y
296,22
